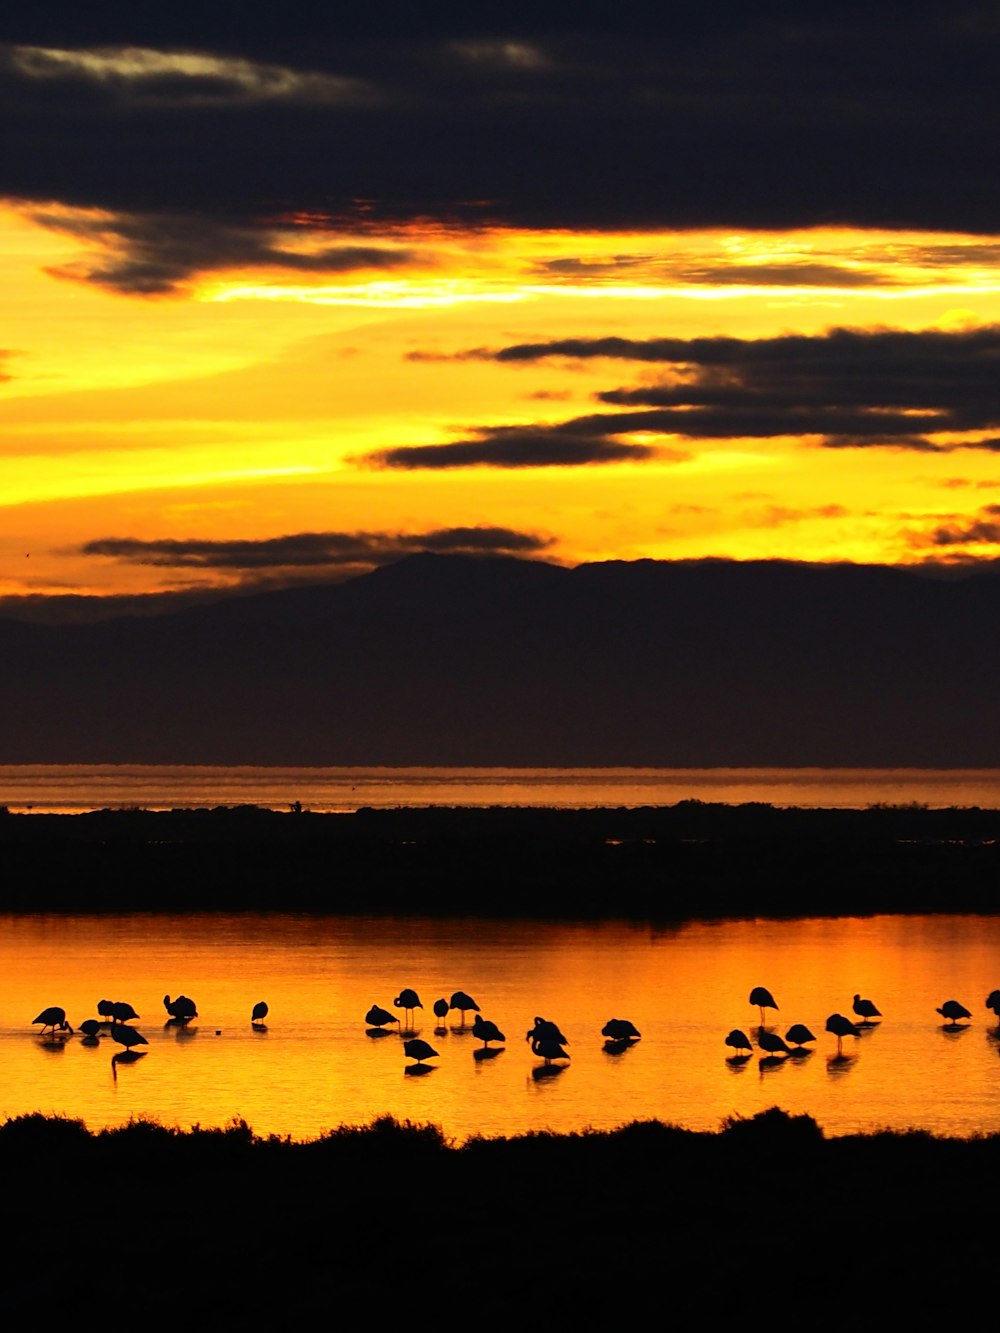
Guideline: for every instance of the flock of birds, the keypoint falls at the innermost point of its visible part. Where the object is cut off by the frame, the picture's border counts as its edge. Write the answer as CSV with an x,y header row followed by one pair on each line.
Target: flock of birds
x,y
798,1034
117,1015
548,1043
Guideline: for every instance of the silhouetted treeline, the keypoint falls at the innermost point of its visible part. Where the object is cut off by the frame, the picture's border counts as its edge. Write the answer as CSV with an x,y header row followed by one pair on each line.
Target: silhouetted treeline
x,y
657,863
384,1219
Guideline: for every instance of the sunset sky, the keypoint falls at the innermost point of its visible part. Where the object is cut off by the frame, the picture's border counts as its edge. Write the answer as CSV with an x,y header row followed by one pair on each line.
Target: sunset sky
x,y
289,295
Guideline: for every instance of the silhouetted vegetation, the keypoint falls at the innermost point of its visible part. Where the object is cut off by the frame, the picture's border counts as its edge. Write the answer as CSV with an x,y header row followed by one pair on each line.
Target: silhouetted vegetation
x,y
656,863
597,1221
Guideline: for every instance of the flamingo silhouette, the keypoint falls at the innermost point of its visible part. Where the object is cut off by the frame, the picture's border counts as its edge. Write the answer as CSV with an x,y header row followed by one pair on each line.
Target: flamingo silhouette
x,y
739,1041
865,1010
763,999
55,1018
841,1027
549,1049
377,1017
544,1030
993,1002
463,1003
418,1049
953,1011
408,1000
440,1010
486,1031
772,1043
181,1010
127,1037
797,1034
620,1029
259,1012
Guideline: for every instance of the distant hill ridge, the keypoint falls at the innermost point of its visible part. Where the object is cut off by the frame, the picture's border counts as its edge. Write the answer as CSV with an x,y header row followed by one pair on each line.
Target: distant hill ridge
x,y
458,660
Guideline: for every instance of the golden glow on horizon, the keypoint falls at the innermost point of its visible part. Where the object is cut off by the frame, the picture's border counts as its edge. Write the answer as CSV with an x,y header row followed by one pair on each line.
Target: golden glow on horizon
x,y
238,406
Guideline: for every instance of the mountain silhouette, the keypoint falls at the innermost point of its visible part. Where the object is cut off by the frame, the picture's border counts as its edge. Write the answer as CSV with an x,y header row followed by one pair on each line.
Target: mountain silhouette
x,y
476,661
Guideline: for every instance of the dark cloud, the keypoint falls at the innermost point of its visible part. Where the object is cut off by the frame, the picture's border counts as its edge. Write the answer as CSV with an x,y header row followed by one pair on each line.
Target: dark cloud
x,y
711,115
583,442
981,531
315,550
154,254
853,387
781,275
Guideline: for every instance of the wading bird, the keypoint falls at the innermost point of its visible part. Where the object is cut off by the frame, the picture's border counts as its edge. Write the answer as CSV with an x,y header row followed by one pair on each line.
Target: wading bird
x,y
53,1017
953,1011
259,1012
763,999
772,1043
440,1008
418,1049
408,1000
548,1049
121,1012
486,1031
797,1034
127,1037
739,1041
544,1030
620,1029
181,1010
377,1017
463,1003
865,1010
993,1002
841,1027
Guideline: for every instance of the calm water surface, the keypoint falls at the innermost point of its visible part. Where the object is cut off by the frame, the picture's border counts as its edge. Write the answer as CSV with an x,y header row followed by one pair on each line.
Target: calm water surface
x,y
314,1067
70,789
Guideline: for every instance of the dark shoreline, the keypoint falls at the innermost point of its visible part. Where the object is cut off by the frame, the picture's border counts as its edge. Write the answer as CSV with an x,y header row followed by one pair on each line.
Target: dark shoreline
x,y
666,864
390,1215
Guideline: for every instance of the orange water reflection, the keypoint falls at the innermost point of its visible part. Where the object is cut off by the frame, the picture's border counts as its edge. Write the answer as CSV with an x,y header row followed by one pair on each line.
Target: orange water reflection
x,y
312,1066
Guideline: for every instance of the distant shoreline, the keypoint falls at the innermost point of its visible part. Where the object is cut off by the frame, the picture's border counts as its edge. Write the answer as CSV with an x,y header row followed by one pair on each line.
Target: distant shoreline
x,y
665,863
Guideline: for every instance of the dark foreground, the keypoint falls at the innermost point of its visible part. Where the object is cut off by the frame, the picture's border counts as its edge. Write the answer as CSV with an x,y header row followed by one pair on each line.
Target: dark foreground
x,y
657,863
650,1223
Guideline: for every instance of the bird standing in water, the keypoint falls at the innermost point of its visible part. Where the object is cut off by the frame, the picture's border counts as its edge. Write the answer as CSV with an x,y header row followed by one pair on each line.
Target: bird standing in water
x,y
418,1049
259,1012
55,1018
408,1000
865,1010
841,1027
763,999
953,1011
486,1031
739,1041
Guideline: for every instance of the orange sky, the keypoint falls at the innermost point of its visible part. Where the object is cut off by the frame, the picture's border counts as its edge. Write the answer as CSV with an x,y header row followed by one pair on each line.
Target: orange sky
x,y
244,405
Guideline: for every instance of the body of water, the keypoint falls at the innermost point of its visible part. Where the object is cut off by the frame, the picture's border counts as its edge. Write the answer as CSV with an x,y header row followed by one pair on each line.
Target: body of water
x,y
72,789
313,1066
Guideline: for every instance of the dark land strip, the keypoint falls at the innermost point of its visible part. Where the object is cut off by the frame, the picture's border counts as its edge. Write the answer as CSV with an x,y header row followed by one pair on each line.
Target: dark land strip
x,y
663,864
649,1222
